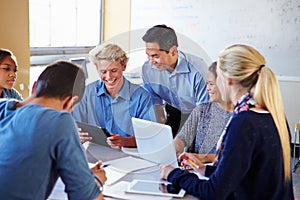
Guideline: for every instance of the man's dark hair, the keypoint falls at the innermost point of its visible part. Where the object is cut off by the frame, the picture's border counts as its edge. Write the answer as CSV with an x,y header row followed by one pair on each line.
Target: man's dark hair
x,y
61,79
163,35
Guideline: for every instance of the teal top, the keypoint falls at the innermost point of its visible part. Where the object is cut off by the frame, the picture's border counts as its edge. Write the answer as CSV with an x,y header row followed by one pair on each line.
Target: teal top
x,y
11,94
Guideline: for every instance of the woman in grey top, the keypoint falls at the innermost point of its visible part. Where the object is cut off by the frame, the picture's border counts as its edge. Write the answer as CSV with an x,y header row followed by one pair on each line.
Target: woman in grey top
x,y
204,126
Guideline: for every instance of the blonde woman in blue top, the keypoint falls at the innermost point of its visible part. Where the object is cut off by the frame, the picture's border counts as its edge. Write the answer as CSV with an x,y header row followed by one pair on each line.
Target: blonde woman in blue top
x,y
8,75
254,155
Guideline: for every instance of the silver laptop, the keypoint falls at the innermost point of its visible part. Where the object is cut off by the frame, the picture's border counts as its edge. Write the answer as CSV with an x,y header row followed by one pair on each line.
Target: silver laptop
x,y
154,142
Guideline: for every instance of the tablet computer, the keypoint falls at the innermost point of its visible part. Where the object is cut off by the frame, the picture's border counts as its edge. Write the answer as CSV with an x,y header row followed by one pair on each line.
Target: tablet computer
x,y
98,134
162,188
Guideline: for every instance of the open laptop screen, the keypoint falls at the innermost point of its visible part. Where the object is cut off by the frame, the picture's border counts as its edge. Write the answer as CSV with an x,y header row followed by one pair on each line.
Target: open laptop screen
x,y
154,142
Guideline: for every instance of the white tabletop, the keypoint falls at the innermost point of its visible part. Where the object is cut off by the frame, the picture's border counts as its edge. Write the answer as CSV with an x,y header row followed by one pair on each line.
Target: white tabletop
x,y
96,152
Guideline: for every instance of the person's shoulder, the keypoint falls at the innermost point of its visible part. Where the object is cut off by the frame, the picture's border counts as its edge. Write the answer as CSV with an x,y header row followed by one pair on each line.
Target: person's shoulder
x,y
57,122
132,85
195,63
3,101
191,58
16,92
249,117
92,84
219,112
252,125
201,109
146,63
250,113
35,112
137,92
217,107
147,68
38,109
91,87
12,93
65,117
203,106
135,88
3,106
58,118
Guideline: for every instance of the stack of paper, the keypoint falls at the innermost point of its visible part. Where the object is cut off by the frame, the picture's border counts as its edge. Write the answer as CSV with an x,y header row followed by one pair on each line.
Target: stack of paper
x,y
120,167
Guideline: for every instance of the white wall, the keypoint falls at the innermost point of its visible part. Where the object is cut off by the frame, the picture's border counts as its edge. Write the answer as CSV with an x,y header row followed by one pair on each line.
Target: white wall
x,y
290,89
271,26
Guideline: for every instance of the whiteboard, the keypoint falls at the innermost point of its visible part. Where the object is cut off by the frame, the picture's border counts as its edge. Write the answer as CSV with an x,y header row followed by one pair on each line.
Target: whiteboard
x,y
208,26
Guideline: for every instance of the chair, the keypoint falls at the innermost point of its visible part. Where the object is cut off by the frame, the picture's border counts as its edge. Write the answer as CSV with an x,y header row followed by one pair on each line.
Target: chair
x,y
296,144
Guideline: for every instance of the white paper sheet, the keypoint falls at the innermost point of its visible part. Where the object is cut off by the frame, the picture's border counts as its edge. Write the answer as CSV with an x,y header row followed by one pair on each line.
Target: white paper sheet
x,y
129,164
112,175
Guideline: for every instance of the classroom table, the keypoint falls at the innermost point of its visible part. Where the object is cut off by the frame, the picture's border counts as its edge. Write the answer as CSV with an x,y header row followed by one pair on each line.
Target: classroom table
x,y
96,152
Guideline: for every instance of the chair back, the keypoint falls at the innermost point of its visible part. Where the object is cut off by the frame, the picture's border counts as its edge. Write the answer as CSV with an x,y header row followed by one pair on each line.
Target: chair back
x,y
298,126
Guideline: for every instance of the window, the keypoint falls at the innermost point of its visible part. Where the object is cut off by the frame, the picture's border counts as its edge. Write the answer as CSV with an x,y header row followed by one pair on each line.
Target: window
x,y
62,30
65,23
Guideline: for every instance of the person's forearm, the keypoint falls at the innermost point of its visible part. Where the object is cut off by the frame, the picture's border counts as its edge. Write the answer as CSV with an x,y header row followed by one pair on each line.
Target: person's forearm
x,y
100,184
161,118
210,158
179,146
206,158
99,197
129,142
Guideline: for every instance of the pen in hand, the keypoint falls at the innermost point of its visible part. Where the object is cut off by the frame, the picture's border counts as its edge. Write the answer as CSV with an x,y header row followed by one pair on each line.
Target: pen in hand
x,y
193,163
104,165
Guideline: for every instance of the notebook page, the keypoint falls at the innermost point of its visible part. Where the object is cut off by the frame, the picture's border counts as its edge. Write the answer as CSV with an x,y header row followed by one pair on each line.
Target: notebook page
x,y
129,164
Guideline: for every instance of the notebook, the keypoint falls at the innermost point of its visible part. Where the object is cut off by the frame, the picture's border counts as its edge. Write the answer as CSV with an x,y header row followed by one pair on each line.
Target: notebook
x,y
154,142
120,167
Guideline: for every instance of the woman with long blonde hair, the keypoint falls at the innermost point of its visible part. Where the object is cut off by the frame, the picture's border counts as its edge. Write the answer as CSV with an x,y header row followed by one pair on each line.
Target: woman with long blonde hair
x,y
253,153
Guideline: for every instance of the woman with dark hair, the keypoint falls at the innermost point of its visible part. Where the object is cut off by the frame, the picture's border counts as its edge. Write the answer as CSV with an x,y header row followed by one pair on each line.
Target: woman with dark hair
x,y
201,132
8,75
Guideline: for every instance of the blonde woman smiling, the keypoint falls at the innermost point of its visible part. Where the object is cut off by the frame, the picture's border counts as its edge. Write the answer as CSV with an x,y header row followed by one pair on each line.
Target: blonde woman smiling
x,y
253,160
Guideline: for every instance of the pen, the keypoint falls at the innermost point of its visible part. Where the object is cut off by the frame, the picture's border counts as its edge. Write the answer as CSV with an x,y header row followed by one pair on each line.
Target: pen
x,y
104,165
193,163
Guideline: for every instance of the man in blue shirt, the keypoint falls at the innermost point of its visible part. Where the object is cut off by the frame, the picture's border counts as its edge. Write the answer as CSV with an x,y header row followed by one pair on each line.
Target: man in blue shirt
x,y
172,76
111,101
39,140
